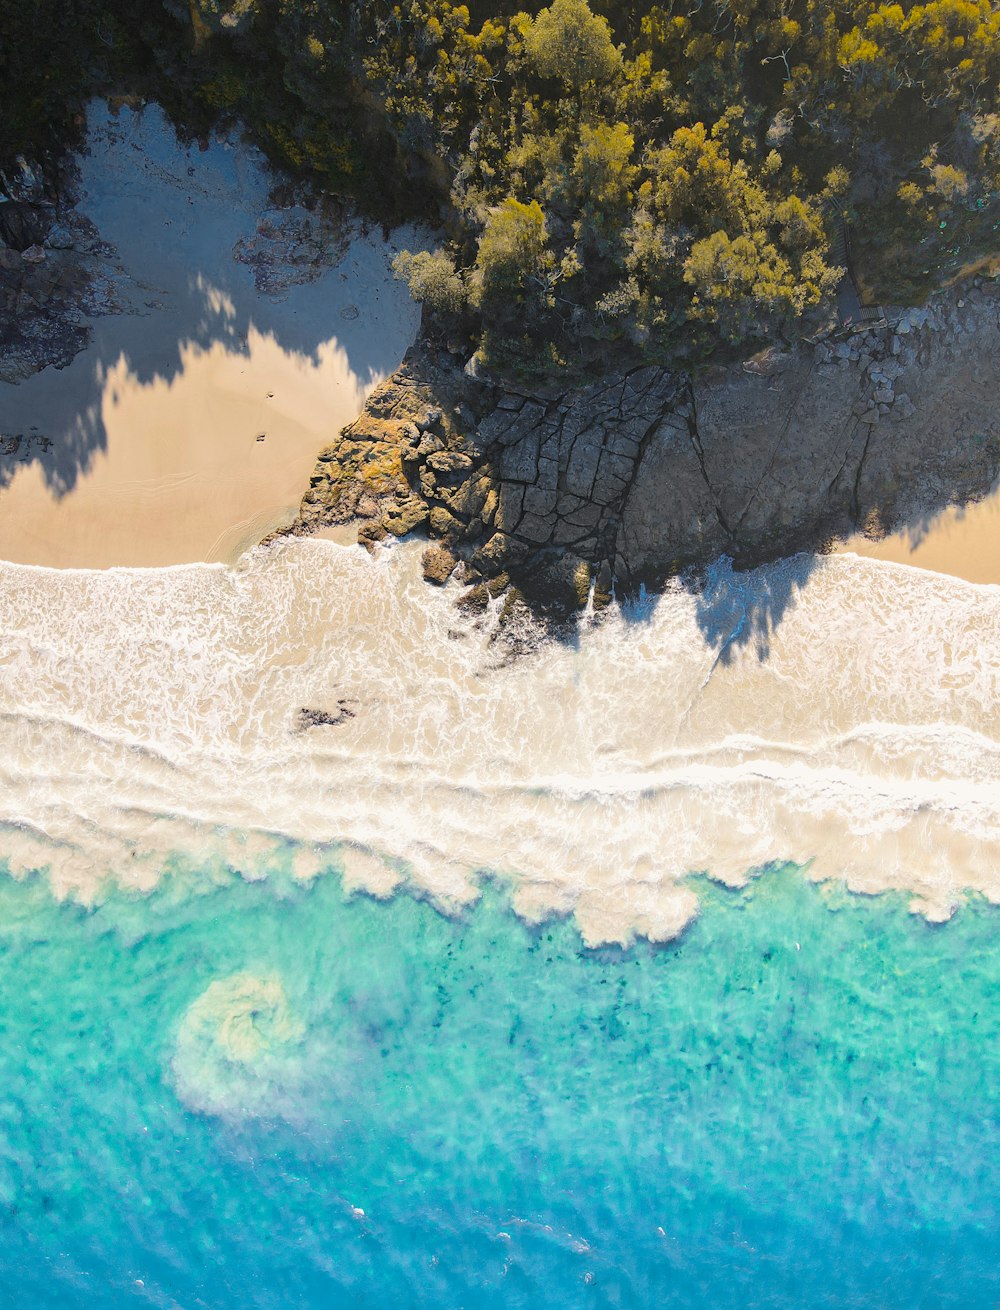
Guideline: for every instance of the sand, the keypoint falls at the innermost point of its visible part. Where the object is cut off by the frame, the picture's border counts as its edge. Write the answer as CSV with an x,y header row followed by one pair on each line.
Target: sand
x,y
150,713
189,426
963,541
853,730
188,429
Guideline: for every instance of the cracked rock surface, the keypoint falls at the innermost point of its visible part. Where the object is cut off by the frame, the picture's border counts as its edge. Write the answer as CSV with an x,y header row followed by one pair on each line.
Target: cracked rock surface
x,y
558,494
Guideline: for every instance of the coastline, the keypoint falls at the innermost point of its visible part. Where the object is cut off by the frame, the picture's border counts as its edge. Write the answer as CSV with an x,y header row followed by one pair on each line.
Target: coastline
x,y
510,830
962,541
556,498
536,505
219,361
320,708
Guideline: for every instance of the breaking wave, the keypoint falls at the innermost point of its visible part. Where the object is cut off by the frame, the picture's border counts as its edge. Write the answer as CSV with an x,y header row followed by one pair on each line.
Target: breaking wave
x,y
150,718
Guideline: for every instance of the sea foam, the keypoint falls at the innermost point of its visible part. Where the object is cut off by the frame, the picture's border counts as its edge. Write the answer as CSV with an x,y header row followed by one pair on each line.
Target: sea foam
x,y
148,713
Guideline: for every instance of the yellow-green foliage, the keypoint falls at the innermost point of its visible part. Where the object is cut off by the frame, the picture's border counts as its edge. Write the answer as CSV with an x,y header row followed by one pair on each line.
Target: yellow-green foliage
x,y
512,259
572,45
604,169
948,49
693,163
432,279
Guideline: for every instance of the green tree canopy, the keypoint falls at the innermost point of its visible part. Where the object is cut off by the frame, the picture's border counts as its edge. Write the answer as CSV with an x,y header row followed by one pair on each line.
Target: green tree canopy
x,y
653,174
569,42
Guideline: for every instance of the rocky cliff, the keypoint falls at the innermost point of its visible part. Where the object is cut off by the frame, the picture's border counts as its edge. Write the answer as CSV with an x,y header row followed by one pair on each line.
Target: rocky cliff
x,y
553,494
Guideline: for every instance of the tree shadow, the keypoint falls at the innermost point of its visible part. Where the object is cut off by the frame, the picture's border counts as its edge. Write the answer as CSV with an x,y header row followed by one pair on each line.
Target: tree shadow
x,y
198,258
735,609
740,610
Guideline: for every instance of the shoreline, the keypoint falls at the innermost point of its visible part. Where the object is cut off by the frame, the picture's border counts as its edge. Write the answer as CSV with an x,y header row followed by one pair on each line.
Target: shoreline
x,y
322,704
187,427
961,542
874,441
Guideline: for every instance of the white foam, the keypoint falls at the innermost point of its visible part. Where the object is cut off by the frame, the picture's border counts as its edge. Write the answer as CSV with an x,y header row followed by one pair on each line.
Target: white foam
x,y
146,712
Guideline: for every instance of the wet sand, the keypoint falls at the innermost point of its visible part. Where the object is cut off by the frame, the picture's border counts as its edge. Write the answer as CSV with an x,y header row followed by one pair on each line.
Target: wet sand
x,y
189,426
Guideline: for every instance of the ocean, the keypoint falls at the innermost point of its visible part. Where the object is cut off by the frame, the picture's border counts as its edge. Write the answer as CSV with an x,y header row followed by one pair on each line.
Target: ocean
x,y
276,1095
651,966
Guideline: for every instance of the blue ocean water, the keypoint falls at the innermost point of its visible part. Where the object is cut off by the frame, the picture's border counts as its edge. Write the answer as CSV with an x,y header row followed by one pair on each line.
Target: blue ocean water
x,y
272,1095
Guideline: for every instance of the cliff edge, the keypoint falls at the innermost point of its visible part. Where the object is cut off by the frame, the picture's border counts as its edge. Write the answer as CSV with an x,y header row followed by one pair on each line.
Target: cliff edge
x,y
554,495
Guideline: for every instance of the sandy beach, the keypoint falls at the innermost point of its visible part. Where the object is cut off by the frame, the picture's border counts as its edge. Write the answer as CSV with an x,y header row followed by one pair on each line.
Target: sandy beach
x,y
188,427
963,541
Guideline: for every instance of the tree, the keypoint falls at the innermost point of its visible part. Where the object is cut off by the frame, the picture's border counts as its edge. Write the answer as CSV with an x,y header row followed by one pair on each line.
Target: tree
x,y
698,185
740,283
433,280
569,42
604,174
513,274
512,252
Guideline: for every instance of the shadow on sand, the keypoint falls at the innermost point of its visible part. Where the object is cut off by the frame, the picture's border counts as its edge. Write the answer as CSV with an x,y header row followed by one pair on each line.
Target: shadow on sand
x,y
736,609
201,258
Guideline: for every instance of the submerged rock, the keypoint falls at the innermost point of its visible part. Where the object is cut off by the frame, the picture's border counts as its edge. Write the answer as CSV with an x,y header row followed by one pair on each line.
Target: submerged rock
x,y
313,718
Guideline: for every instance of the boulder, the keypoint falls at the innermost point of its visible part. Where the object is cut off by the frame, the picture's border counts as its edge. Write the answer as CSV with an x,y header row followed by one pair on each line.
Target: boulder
x,y
449,462
23,225
438,564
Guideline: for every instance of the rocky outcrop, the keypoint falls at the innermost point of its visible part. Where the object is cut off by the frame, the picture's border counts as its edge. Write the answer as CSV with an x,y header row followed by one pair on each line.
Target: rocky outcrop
x,y
23,225
558,495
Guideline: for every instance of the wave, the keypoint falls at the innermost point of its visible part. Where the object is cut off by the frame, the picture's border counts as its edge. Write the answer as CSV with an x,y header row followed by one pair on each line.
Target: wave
x,y
145,713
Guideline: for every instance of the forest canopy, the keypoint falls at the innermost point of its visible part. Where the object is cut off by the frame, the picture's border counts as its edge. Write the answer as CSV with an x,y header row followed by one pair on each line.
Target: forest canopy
x,y
647,177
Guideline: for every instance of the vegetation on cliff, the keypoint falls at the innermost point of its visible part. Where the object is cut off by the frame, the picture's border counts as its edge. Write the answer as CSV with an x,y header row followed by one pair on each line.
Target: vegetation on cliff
x,y
658,175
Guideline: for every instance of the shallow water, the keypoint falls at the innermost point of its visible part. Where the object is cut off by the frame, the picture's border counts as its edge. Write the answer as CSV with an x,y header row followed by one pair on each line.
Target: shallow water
x,y
267,1094
148,711
246,1058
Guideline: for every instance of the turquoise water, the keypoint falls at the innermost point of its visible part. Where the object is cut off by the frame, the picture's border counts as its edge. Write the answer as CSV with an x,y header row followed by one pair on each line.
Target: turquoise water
x,y
269,1095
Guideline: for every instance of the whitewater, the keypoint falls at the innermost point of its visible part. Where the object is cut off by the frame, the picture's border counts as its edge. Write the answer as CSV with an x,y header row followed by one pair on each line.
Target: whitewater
x,y
152,716
840,713
272,1035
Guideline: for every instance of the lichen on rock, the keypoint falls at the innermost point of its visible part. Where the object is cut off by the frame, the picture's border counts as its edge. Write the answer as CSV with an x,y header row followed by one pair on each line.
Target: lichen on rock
x,y
564,495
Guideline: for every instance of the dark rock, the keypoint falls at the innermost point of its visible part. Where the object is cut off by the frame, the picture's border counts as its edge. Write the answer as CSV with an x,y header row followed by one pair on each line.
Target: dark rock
x,y
23,225
313,718
429,419
558,585
444,524
638,475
